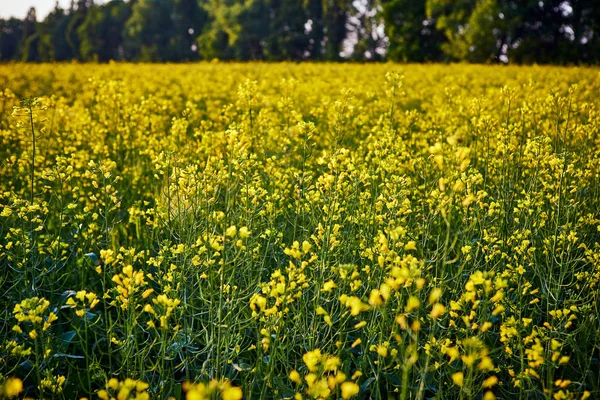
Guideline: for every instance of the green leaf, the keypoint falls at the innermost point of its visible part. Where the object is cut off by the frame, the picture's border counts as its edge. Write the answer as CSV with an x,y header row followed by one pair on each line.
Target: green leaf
x,y
67,337
57,355
365,386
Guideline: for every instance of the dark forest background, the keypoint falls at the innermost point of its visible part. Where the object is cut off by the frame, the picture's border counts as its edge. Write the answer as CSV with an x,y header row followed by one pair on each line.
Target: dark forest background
x,y
519,31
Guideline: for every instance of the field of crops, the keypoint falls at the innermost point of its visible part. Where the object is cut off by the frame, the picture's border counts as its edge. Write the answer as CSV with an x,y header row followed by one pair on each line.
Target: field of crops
x,y
299,231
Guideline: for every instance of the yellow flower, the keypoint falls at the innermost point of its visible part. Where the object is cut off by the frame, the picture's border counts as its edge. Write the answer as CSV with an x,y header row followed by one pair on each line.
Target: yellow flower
x,y
306,246
458,378
486,364
498,310
231,393
231,231
244,232
412,304
563,360
453,353
295,377
468,200
489,382
331,363
489,396
375,298
435,295
437,310
355,304
319,389
113,383
555,344
349,389
382,350
12,387
312,359
411,245
328,286
360,324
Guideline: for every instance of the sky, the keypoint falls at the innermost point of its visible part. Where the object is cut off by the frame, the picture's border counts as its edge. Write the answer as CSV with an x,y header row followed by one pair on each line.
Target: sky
x,y
18,8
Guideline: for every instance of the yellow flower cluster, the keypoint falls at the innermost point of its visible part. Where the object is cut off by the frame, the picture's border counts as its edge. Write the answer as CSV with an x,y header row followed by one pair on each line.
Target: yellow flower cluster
x,y
284,288
324,377
206,391
129,283
382,230
129,389
83,301
53,384
32,315
162,309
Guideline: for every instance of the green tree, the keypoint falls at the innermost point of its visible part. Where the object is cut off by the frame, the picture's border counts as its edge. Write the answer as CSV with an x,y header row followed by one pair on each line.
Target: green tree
x,y
163,30
327,21
472,28
366,31
315,31
586,25
237,29
287,38
147,31
29,46
411,34
556,32
100,34
53,45
335,17
188,20
549,31
77,16
325,28
11,33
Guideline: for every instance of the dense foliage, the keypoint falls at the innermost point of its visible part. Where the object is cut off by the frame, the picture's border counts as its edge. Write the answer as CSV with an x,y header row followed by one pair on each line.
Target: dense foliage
x,y
282,230
526,31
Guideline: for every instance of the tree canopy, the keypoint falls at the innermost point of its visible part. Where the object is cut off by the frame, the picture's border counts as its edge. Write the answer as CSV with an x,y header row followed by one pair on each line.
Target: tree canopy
x,y
481,31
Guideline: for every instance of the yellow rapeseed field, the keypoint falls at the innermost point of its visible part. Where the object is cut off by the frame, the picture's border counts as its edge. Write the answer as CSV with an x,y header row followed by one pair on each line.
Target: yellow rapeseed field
x,y
299,231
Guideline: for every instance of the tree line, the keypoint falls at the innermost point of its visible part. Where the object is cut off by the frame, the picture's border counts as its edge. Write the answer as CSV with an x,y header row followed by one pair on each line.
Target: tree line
x,y
521,31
